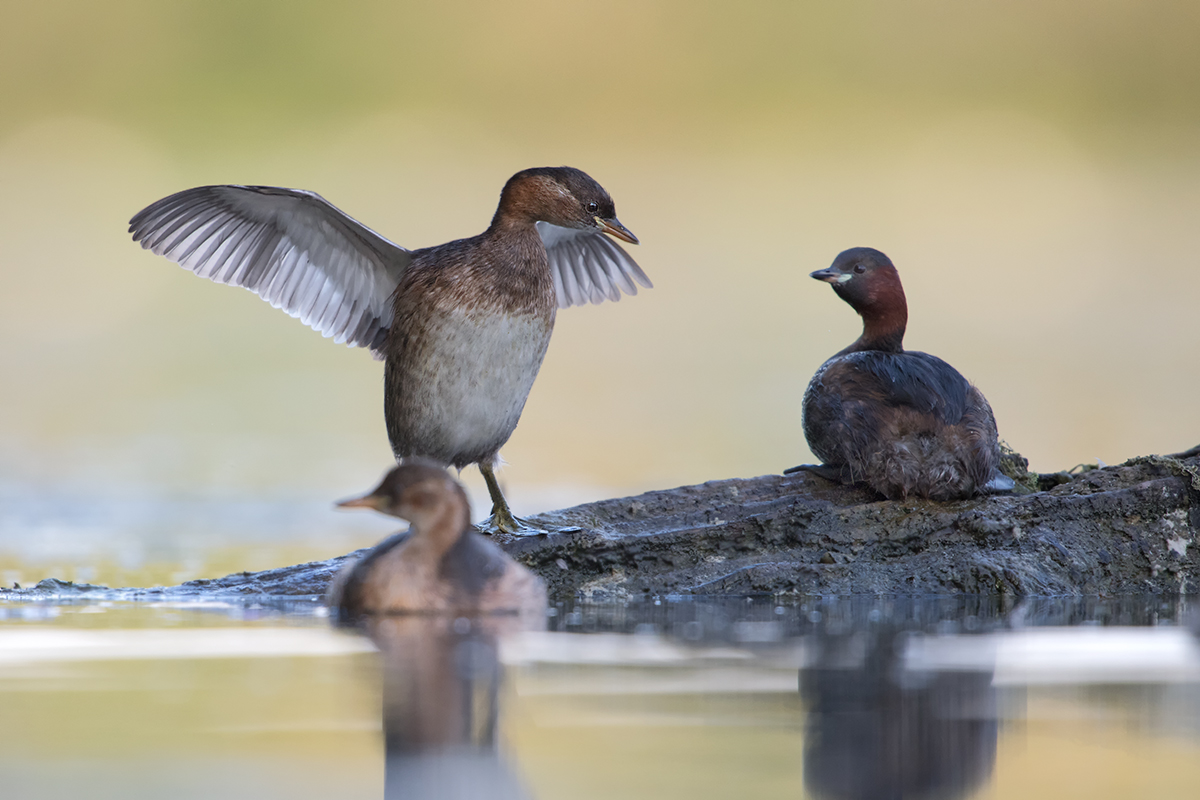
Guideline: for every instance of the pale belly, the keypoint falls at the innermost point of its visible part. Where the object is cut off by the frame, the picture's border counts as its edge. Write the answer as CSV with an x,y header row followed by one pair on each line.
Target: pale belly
x,y
456,392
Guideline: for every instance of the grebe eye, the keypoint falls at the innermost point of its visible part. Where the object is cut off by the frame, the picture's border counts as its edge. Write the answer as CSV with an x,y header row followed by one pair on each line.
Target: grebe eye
x,y
593,208
860,268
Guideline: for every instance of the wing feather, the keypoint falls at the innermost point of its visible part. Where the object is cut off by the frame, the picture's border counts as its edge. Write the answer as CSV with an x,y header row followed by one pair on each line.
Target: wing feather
x,y
588,266
291,247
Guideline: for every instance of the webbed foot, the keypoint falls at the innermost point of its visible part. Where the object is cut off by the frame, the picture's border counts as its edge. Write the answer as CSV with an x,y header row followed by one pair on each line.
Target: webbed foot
x,y
829,473
503,521
1002,484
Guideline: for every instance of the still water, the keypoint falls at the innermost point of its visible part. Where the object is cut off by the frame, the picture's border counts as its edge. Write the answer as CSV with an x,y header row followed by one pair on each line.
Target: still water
x,y
823,698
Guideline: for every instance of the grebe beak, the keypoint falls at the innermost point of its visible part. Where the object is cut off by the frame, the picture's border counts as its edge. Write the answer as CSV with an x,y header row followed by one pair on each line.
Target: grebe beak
x,y
614,228
366,501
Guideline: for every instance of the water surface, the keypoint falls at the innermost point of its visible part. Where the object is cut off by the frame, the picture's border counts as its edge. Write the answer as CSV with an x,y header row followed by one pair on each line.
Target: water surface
x,y
851,697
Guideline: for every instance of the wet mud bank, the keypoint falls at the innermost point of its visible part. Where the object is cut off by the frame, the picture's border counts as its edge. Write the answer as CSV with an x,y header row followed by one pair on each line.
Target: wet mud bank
x,y
1118,530
1131,528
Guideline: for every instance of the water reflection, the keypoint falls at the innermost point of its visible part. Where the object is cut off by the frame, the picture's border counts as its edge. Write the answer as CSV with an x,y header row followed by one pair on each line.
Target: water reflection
x,y
441,683
876,729
897,698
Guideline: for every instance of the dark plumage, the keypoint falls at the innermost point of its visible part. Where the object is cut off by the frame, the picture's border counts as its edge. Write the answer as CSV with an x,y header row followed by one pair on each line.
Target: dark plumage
x,y
440,565
462,326
905,422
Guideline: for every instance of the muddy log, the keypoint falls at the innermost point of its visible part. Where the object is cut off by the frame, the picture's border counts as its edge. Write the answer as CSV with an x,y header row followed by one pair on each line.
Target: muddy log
x,y
1124,529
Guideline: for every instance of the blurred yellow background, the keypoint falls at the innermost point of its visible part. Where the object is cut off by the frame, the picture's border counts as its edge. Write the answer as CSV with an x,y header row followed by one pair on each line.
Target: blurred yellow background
x,y
1032,168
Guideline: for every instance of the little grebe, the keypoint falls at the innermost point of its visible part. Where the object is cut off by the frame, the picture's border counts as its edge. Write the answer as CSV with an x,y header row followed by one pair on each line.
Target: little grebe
x,y
438,566
905,422
462,326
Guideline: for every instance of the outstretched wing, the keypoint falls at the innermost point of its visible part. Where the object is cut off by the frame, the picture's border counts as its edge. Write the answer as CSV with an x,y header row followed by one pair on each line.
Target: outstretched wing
x,y
588,266
290,247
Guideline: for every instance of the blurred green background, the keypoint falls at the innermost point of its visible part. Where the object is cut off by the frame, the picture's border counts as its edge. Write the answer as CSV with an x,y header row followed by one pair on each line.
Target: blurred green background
x,y
1032,168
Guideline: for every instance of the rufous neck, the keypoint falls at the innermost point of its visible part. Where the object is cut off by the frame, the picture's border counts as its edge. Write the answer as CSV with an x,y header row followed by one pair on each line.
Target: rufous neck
x,y
884,330
883,327
881,303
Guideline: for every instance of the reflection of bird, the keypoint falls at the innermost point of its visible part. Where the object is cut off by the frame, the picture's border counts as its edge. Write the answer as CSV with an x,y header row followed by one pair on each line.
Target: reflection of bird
x,y
876,730
441,707
462,326
905,422
440,565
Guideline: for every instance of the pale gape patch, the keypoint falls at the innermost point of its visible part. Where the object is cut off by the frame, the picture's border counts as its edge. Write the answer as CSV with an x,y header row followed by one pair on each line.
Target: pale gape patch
x,y
464,393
